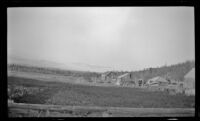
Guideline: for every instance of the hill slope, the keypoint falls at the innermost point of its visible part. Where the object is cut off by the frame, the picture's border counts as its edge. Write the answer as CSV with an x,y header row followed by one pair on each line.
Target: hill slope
x,y
176,72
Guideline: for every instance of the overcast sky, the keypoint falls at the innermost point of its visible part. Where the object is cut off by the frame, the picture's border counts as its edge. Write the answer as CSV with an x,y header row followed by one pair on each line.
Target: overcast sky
x,y
125,38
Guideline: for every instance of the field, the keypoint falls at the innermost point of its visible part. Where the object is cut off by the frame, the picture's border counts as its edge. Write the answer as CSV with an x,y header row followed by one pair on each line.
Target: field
x,y
58,93
38,94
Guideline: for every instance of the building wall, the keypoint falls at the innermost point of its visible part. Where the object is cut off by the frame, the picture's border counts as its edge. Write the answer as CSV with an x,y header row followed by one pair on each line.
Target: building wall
x,y
103,77
128,80
190,92
189,83
124,80
108,78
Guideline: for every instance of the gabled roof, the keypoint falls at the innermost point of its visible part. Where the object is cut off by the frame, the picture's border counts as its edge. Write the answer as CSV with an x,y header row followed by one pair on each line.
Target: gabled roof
x,y
123,75
190,74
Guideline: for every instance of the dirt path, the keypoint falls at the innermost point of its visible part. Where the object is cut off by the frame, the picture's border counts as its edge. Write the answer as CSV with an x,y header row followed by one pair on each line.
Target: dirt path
x,y
38,110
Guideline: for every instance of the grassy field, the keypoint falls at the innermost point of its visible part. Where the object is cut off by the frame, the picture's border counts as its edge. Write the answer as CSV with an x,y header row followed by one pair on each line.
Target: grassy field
x,y
58,93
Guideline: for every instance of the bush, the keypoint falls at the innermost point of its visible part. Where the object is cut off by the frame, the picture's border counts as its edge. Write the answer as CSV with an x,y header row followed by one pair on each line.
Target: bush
x,y
16,92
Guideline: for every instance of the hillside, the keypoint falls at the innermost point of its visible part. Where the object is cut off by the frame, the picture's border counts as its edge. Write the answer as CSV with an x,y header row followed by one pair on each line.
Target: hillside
x,y
176,71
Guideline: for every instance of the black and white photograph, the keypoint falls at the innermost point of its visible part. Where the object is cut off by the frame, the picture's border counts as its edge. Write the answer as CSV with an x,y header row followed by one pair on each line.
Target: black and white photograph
x,y
101,61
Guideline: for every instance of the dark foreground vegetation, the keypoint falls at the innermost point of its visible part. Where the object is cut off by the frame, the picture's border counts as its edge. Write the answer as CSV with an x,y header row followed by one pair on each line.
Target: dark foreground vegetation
x,y
23,90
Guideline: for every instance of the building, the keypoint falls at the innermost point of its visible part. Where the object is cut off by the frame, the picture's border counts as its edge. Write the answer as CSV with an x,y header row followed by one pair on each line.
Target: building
x,y
125,80
157,81
189,82
108,77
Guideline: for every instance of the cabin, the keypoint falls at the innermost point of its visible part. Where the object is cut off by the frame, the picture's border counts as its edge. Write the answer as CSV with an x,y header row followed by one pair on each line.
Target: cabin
x,y
108,77
125,80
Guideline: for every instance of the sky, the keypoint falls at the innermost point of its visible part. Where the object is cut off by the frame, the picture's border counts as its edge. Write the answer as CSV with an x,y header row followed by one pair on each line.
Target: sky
x,y
123,38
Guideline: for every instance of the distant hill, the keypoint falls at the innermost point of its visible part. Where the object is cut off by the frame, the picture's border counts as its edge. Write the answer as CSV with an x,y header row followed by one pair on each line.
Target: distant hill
x,y
54,71
35,63
50,64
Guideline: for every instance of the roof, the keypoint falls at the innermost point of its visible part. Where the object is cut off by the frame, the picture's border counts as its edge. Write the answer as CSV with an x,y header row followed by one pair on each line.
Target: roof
x,y
106,73
159,79
190,74
123,75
